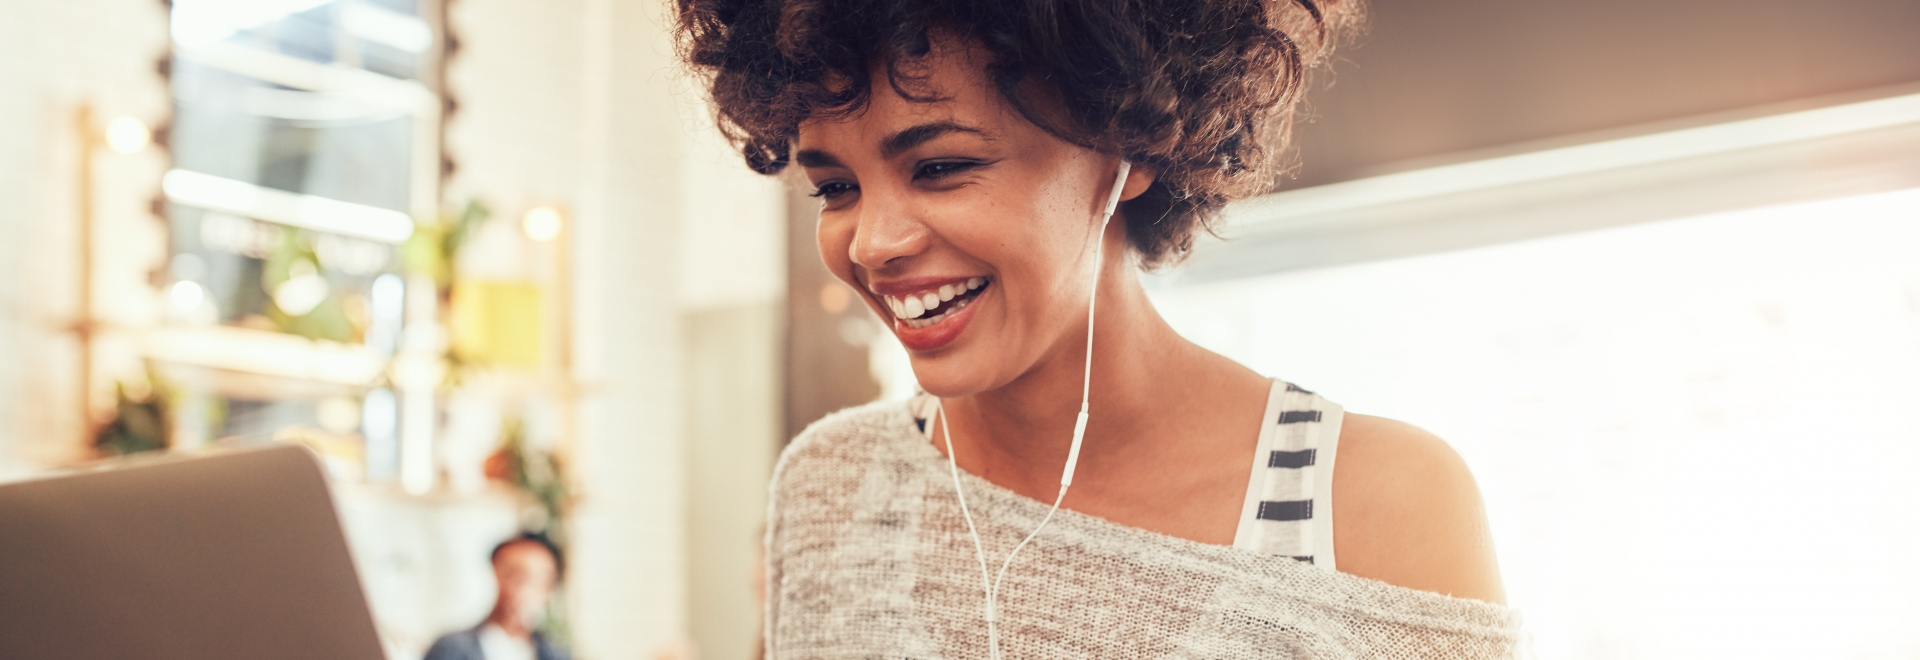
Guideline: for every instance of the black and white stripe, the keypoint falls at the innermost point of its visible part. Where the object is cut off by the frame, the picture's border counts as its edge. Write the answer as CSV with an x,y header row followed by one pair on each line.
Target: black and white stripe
x,y
1288,508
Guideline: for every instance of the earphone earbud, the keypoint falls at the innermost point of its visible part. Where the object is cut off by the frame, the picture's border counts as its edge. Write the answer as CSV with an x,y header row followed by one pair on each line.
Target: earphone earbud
x,y
992,583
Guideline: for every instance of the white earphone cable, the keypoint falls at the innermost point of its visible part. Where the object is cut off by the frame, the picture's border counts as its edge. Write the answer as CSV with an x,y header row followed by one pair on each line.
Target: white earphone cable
x,y
992,585
954,467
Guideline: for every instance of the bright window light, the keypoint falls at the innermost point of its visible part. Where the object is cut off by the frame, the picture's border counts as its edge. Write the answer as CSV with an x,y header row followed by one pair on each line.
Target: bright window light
x,y
197,22
317,213
186,295
386,27
379,422
1696,438
302,292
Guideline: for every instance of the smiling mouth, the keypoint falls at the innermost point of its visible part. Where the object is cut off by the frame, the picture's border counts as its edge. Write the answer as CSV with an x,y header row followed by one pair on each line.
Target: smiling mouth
x,y
925,308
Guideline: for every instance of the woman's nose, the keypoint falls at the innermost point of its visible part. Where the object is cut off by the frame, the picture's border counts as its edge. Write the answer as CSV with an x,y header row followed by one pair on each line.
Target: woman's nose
x,y
890,228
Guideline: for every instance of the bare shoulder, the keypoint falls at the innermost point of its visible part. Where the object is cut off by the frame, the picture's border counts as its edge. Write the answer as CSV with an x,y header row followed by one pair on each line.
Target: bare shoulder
x,y
1406,511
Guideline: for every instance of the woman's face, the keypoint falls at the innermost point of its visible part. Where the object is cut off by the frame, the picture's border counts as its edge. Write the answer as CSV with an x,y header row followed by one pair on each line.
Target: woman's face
x,y
967,228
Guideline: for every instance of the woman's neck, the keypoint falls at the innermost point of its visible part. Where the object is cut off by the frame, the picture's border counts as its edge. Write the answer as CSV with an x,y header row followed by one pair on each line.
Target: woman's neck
x,y
1144,374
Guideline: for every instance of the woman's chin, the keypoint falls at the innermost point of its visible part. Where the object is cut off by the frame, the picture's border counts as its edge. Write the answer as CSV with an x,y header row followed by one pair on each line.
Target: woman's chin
x,y
947,383
955,372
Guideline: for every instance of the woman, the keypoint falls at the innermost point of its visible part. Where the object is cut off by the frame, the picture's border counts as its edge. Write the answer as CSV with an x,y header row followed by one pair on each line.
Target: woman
x,y
966,155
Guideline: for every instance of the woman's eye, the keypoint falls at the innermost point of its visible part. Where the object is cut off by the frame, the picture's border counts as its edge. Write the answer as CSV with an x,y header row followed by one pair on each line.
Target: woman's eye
x,y
940,169
832,189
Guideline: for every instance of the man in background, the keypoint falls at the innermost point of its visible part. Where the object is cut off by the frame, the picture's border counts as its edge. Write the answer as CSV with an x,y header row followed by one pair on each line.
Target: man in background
x,y
527,568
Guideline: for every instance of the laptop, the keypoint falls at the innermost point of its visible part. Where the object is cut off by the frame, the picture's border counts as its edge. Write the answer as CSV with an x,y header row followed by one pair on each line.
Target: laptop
x,y
235,555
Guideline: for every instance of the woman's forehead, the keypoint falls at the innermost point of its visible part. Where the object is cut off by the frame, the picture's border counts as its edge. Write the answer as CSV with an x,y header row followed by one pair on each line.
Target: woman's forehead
x,y
947,90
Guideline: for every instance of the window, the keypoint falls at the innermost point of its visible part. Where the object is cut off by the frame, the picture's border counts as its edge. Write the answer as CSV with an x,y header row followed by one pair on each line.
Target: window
x,y
305,138
1693,435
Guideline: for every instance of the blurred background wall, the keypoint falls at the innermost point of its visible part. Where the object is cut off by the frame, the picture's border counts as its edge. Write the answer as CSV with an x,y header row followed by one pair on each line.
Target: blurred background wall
x,y
1600,247
656,363
677,270
56,57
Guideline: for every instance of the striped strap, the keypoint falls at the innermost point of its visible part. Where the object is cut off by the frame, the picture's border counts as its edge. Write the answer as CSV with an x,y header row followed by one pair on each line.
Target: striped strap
x,y
1288,509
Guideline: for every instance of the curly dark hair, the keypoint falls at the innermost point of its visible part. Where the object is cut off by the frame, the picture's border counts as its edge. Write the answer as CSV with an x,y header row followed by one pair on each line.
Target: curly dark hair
x,y
1201,92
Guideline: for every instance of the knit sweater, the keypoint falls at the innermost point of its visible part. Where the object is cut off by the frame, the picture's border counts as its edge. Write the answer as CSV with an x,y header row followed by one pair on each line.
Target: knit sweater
x,y
868,556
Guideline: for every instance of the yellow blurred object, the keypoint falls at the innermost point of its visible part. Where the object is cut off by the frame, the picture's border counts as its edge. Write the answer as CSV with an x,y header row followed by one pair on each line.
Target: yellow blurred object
x,y
497,322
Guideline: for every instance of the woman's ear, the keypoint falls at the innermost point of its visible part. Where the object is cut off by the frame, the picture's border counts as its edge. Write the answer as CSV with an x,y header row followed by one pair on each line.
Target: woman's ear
x,y
1138,180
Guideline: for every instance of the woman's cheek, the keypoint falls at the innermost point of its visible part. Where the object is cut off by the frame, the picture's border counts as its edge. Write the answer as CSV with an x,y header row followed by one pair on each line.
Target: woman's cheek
x,y
984,227
835,237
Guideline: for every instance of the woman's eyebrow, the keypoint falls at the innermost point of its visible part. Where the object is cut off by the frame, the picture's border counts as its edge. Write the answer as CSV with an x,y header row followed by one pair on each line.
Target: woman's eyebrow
x,y
815,158
898,143
894,145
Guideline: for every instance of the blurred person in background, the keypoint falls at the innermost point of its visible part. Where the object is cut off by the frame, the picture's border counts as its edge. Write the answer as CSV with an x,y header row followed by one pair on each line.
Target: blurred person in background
x,y
527,567
967,156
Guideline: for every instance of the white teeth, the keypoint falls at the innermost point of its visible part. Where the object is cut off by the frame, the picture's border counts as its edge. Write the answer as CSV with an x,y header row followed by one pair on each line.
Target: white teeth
x,y
911,309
